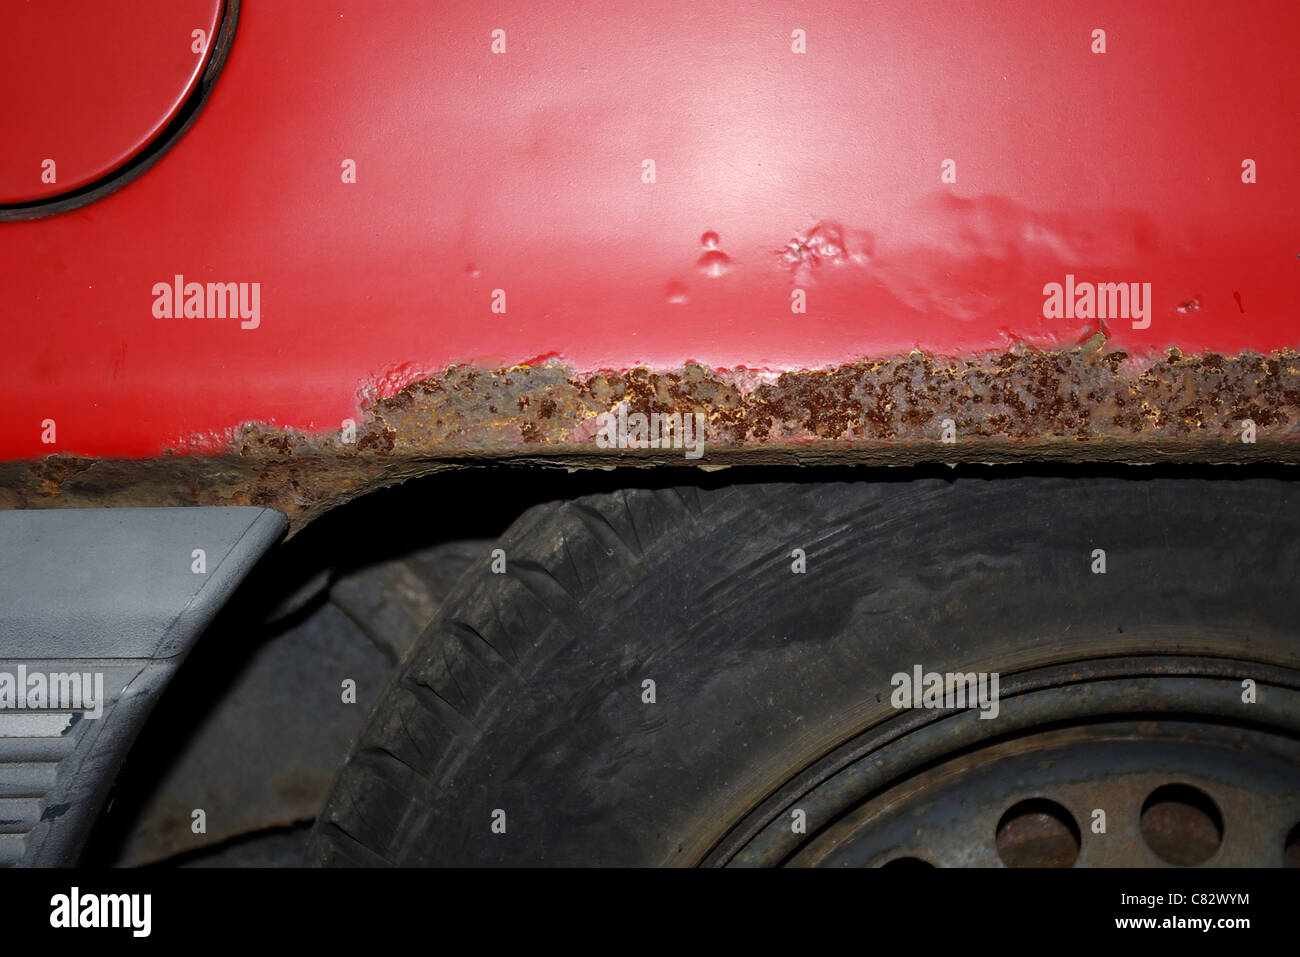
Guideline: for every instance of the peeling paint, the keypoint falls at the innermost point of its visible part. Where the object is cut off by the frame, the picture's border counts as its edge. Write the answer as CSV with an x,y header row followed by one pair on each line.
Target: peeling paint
x,y
1087,403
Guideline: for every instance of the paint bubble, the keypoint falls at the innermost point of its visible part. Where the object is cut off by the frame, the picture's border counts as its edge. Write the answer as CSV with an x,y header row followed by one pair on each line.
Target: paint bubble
x,y
714,262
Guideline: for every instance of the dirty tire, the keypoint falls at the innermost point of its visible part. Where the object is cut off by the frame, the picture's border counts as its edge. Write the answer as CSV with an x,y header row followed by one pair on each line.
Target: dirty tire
x,y
525,694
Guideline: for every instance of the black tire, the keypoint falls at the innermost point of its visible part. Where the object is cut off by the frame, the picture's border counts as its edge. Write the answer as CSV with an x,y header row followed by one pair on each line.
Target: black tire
x,y
525,693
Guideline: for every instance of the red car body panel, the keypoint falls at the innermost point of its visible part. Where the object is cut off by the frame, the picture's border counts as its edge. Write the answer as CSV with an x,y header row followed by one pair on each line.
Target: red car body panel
x,y
524,171
93,84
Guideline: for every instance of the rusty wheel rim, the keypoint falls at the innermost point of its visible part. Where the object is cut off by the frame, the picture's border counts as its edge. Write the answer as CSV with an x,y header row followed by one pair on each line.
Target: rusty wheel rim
x,y
1183,771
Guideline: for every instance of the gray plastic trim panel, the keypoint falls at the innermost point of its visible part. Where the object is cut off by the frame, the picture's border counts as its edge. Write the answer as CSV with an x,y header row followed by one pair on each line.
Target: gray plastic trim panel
x,y
98,608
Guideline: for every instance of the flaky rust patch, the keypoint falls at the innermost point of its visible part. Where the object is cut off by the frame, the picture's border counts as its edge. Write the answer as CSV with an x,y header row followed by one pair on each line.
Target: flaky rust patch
x,y
1082,404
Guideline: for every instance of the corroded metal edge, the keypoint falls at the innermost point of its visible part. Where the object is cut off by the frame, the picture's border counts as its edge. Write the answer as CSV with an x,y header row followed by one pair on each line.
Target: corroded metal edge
x,y
1083,404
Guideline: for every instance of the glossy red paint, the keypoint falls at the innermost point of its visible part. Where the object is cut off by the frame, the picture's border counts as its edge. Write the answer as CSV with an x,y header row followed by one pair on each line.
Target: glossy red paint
x,y
89,86
523,171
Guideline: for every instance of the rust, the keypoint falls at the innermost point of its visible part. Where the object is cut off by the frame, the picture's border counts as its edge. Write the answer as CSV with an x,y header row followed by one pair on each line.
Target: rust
x,y
1085,403
1037,834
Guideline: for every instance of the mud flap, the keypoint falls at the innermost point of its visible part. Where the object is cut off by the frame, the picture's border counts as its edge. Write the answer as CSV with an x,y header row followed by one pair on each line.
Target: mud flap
x,y
98,607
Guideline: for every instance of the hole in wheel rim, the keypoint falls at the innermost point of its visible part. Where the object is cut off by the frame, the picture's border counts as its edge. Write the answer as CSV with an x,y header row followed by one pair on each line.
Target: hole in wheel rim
x,y
1291,849
1181,824
1038,833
